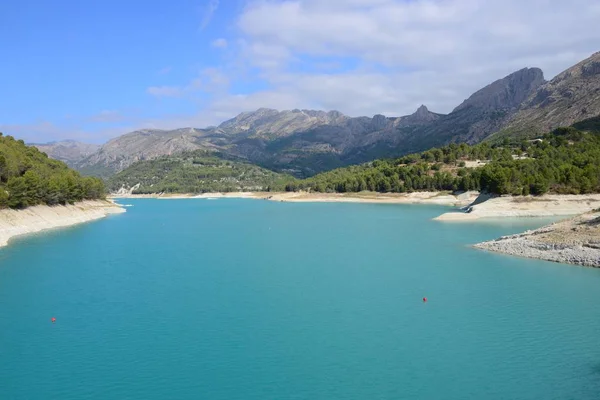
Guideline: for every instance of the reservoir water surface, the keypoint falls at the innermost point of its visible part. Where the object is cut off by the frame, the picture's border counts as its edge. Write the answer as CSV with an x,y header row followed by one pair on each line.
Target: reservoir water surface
x,y
251,299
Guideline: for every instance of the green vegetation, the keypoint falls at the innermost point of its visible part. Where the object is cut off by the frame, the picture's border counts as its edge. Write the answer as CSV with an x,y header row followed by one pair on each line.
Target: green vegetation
x,y
196,172
28,178
590,124
564,161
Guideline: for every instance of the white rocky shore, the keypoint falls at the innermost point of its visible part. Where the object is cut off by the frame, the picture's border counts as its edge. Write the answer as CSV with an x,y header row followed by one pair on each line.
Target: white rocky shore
x,y
572,241
550,205
35,219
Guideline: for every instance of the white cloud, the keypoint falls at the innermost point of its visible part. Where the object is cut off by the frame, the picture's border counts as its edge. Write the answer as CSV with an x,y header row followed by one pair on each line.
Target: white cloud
x,y
219,43
209,12
411,52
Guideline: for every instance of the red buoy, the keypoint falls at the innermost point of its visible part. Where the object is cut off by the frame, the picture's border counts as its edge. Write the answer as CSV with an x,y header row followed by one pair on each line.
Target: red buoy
x,y
424,299
53,319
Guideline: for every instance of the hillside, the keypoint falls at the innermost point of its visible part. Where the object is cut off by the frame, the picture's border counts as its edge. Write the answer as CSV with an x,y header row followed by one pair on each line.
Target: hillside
x,y
566,161
572,96
28,178
195,172
67,151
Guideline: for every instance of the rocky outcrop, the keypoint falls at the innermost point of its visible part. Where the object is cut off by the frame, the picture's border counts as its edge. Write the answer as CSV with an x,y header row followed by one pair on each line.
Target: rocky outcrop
x,y
420,117
507,93
572,96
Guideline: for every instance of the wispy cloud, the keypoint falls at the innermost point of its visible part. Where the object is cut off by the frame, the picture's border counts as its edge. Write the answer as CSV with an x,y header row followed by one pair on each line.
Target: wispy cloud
x,y
164,71
209,80
209,12
219,43
165,91
107,116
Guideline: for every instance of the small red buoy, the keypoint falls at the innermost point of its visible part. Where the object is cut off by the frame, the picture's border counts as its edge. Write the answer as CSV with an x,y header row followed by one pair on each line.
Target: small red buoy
x,y
53,319
424,299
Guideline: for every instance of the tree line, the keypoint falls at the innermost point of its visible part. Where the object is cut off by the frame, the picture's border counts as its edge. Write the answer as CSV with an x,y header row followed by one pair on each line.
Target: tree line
x,y
565,161
28,178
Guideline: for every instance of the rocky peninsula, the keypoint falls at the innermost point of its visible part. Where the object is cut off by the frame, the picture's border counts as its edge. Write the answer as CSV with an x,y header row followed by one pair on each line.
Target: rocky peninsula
x,y
572,241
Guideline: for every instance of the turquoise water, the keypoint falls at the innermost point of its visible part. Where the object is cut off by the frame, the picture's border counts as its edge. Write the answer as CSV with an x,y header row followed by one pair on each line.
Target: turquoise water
x,y
249,299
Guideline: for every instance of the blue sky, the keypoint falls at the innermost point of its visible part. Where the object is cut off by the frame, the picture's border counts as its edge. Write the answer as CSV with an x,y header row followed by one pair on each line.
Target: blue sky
x,y
92,70
73,62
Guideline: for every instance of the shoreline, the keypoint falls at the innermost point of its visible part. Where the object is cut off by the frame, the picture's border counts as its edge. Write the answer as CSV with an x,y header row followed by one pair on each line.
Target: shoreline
x,y
41,218
474,206
433,198
549,205
572,241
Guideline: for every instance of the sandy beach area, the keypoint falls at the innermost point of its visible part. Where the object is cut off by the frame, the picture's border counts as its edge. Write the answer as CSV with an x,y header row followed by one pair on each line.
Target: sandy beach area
x,y
39,218
529,206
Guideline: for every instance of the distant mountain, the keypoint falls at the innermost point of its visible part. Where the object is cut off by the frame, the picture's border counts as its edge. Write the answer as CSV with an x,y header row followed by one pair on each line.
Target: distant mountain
x,y
147,144
68,151
305,142
572,96
302,142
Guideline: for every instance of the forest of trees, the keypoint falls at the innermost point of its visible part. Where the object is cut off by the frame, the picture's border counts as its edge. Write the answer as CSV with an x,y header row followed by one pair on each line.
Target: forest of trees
x,y
564,161
198,171
28,178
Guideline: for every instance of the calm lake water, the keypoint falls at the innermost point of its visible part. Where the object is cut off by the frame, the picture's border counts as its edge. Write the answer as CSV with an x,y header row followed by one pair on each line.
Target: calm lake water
x,y
249,299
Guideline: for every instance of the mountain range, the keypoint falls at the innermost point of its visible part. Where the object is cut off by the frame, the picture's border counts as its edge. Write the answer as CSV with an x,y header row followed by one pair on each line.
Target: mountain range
x,y
305,142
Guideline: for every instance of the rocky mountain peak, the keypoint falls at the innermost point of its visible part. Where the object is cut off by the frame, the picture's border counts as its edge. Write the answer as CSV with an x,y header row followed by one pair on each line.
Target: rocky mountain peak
x,y
420,117
507,93
422,111
571,96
